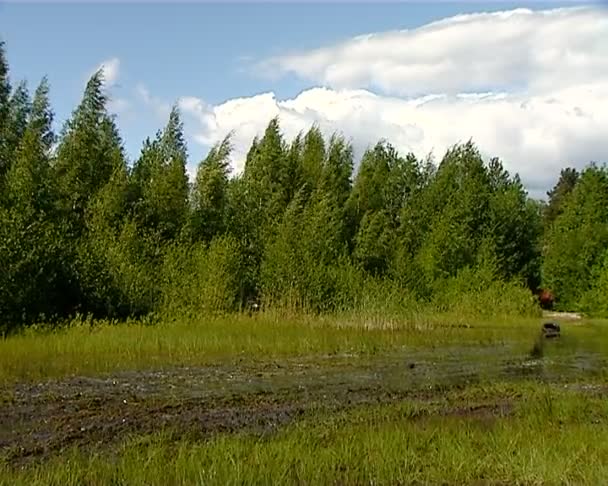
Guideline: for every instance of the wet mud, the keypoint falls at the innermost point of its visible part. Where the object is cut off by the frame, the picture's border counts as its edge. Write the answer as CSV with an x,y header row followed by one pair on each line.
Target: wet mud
x,y
41,419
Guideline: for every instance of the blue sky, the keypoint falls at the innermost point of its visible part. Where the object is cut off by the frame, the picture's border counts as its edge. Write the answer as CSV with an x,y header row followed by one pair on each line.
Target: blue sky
x,y
197,50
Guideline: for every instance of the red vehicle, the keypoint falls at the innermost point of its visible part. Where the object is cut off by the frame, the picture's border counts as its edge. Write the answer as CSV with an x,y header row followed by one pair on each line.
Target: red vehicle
x,y
546,299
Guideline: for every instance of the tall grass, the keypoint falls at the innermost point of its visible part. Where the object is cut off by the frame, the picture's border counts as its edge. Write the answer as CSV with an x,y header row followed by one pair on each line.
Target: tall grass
x,y
90,347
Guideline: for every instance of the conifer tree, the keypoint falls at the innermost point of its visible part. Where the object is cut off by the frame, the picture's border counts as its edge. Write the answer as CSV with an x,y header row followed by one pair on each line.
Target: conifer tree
x,y
209,193
161,181
558,194
5,93
90,150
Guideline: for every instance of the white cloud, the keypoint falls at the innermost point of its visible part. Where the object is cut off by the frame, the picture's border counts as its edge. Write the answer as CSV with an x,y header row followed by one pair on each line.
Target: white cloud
x,y
528,87
523,49
534,136
160,108
111,71
119,105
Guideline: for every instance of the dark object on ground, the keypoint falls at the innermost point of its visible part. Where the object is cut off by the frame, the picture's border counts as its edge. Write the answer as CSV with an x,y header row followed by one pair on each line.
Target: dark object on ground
x,y
551,329
412,366
546,299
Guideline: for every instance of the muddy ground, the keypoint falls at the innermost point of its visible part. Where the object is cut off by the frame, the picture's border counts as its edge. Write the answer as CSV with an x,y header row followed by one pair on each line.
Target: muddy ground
x,y
41,419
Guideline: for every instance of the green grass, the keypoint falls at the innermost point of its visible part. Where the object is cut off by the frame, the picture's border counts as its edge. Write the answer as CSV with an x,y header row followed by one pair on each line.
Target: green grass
x,y
552,430
549,436
93,348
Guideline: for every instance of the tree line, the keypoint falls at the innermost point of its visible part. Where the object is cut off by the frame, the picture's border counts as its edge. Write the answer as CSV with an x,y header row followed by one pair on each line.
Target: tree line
x,y
82,231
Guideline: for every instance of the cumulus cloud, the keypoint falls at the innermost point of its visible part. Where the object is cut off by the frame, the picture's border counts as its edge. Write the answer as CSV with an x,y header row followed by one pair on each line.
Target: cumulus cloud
x,y
534,136
527,86
111,71
519,49
111,74
160,108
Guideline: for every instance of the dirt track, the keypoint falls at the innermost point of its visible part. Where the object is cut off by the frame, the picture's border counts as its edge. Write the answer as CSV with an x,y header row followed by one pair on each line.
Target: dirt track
x,y
37,420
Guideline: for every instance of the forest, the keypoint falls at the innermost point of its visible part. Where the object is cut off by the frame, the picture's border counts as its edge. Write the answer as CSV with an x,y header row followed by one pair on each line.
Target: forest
x,y
304,228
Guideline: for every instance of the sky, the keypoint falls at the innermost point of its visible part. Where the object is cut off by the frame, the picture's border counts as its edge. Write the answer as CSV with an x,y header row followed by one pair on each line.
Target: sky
x,y
527,81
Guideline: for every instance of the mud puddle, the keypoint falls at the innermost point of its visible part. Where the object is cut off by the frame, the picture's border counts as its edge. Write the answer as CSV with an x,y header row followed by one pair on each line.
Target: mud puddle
x,y
40,419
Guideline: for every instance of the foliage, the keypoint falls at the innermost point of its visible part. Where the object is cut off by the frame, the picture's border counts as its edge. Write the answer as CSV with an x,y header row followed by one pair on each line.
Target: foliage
x,y
209,194
199,279
578,238
303,228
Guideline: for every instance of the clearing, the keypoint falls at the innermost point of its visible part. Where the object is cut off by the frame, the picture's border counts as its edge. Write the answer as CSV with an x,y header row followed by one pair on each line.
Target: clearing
x,y
386,383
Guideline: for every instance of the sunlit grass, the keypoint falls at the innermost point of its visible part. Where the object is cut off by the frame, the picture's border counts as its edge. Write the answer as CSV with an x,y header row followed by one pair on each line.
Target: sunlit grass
x,y
547,437
103,347
549,434
91,348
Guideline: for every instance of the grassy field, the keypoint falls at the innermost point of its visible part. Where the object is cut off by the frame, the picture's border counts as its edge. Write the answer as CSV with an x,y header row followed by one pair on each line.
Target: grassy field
x,y
335,400
91,347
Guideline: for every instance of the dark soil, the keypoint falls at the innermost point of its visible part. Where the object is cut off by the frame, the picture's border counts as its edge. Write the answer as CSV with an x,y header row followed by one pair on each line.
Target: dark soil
x,y
39,420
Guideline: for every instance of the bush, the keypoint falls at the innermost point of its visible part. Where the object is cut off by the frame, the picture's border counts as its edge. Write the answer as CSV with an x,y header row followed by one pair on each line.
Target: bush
x,y
477,291
595,300
196,279
116,274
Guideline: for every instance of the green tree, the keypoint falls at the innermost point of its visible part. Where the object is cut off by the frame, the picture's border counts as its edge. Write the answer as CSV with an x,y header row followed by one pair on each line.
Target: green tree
x,y
301,262
209,194
567,181
375,242
89,153
199,278
19,112
5,94
514,227
114,264
245,223
336,178
577,238
595,299
382,188
90,150
32,282
294,177
80,231
312,159
256,203
266,173
161,182
456,205
41,115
